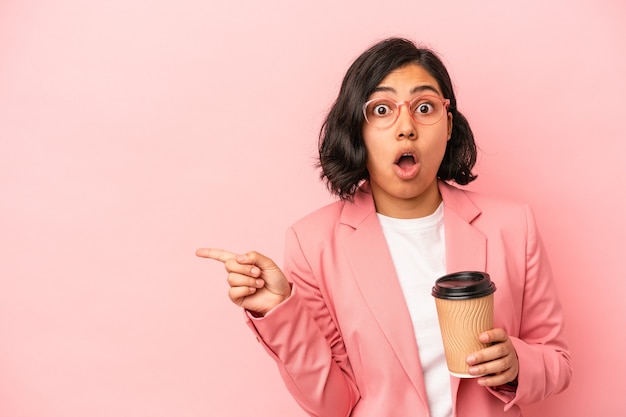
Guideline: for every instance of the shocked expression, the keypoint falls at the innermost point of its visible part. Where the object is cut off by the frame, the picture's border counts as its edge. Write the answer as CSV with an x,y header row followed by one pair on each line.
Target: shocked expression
x,y
407,129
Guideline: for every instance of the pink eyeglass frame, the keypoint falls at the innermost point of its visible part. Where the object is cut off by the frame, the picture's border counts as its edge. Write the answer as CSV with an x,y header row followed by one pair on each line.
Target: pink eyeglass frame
x,y
444,101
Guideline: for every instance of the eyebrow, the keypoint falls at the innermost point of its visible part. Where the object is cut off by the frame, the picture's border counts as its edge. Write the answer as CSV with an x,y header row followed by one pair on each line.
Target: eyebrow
x,y
417,89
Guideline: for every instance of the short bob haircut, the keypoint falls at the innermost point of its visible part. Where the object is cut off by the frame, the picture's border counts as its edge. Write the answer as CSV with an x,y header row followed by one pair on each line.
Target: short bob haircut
x,y
342,153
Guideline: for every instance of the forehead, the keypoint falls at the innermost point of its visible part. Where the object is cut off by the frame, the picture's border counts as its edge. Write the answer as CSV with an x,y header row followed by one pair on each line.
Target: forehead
x,y
409,79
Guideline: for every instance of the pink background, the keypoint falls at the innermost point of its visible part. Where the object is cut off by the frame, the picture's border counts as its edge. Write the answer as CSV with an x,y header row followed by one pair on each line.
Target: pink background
x,y
134,131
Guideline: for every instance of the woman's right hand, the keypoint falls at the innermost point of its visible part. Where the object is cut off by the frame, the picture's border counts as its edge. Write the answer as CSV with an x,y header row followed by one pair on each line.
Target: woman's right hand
x,y
256,283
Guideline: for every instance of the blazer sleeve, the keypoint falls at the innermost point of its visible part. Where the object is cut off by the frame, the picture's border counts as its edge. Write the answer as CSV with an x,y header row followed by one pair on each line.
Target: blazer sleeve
x,y
544,361
302,338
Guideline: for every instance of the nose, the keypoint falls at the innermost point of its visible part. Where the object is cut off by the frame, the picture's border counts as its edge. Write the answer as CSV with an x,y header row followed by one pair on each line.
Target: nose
x,y
405,124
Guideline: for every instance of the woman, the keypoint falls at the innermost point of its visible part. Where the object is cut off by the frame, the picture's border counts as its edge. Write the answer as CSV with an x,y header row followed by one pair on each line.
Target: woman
x,y
349,319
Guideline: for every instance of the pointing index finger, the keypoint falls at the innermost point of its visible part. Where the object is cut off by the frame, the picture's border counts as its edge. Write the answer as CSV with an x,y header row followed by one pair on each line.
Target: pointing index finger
x,y
217,254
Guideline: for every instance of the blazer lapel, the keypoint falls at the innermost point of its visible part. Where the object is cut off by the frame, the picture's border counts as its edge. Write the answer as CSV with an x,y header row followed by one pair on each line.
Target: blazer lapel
x,y
371,263
466,247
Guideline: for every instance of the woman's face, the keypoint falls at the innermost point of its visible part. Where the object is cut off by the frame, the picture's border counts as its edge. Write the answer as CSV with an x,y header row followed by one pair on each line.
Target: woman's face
x,y
403,158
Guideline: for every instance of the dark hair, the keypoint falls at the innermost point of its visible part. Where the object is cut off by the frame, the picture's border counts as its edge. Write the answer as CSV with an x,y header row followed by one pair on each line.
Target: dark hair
x,y
342,153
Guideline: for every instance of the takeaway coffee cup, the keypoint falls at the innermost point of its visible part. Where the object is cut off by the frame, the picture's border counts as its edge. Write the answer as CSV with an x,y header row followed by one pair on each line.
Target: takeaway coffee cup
x,y
464,303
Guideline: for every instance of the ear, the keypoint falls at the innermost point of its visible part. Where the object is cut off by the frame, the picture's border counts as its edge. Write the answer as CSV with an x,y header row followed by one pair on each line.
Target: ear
x,y
450,124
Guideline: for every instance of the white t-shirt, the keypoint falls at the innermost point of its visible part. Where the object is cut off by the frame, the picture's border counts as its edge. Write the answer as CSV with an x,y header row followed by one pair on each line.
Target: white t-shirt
x,y
418,251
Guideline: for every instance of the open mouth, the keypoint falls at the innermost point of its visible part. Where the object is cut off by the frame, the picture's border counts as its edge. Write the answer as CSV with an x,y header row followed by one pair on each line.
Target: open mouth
x,y
406,161
407,165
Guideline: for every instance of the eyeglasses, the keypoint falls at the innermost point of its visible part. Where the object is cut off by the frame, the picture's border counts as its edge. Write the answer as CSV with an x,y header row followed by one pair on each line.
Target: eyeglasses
x,y
425,110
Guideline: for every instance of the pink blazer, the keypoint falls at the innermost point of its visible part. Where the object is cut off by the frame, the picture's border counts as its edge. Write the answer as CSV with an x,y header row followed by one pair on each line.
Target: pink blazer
x,y
344,341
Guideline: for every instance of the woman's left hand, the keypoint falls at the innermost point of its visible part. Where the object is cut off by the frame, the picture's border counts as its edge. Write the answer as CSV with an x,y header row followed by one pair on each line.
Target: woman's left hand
x,y
498,362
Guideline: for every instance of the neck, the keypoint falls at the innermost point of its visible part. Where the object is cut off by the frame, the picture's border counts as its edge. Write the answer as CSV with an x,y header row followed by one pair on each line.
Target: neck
x,y
422,205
